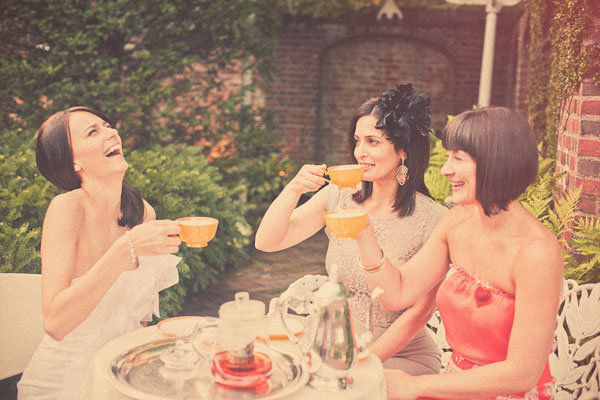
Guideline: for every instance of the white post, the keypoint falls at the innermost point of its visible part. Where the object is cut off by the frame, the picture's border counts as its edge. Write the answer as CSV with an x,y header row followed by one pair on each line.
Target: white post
x,y
487,60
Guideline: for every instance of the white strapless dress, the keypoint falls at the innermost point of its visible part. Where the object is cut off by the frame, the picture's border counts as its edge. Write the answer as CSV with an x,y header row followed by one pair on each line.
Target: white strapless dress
x,y
57,369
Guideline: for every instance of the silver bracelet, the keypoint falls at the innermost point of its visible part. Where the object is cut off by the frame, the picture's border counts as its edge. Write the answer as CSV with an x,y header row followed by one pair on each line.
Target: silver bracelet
x,y
132,252
376,267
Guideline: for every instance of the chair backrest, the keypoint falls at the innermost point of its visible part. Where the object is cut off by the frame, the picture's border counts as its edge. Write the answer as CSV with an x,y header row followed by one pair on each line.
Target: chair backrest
x,y
438,334
575,363
21,327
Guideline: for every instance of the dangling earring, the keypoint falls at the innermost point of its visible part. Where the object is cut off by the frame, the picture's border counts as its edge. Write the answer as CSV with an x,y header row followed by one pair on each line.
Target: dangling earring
x,y
76,167
402,173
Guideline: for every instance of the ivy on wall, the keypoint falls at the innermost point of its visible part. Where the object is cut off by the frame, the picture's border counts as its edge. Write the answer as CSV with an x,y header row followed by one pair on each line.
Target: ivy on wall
x,y
557,64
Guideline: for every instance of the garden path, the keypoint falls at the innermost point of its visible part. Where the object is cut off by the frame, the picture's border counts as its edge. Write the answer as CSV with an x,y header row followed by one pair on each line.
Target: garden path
x,y
267,275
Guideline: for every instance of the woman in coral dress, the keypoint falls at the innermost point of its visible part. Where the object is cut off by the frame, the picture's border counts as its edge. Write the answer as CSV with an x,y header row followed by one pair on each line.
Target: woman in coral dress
x,y
501,270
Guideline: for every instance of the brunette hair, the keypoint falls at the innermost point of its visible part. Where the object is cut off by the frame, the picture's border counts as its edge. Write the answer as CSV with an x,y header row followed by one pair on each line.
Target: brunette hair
x,y
416,147
54,158
504,149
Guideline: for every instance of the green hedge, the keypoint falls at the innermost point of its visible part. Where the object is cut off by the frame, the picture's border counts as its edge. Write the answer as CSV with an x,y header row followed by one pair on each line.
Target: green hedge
x,y
24,197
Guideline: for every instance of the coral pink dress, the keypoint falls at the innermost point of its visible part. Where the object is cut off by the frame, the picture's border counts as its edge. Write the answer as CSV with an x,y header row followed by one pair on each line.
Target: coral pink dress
x,y
478,318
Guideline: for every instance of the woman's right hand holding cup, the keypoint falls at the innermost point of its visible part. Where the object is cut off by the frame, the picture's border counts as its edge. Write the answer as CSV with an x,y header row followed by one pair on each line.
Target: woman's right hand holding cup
x,y
155,237
308,179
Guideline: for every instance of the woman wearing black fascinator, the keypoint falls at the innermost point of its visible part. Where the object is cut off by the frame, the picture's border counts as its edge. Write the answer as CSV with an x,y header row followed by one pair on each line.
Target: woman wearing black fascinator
x,y
389,136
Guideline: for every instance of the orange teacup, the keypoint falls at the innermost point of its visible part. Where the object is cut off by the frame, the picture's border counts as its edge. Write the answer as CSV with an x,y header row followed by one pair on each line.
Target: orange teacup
x,y
346,176
346,223
197,231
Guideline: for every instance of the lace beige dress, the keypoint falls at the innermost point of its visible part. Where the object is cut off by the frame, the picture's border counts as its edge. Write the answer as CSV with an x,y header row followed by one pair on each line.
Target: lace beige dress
x,y
400,238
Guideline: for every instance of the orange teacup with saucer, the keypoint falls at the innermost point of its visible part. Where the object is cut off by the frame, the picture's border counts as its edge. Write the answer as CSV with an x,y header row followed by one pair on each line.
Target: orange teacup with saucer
x,y
197,231
347,222
346,176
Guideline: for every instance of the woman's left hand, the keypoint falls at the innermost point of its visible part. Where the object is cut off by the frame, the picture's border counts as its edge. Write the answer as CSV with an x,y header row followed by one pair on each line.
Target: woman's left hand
x,y
400,385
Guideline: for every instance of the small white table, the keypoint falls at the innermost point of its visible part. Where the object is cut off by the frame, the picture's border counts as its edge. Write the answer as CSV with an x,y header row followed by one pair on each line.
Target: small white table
x,y
369,380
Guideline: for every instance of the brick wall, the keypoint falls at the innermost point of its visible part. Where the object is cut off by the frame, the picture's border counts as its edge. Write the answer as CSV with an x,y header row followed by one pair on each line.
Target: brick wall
x,y
326,69
578,150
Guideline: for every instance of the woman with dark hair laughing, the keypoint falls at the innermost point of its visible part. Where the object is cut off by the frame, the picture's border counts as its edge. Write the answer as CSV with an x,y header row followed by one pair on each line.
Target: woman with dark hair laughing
x,y
104,255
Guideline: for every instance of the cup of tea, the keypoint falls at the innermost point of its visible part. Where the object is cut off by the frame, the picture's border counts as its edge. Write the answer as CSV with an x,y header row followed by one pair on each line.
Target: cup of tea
x,y
346,223
346,176
197,231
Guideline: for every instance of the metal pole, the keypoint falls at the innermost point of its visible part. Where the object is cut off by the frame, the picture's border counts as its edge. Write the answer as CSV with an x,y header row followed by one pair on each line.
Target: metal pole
x,y
487,60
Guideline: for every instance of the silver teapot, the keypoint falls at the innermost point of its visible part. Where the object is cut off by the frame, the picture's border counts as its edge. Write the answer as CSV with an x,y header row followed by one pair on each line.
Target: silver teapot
x,y
330,342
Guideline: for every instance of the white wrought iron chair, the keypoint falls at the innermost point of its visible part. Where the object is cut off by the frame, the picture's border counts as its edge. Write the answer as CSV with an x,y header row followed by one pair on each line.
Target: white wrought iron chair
x,y
576,361
21,328
438,334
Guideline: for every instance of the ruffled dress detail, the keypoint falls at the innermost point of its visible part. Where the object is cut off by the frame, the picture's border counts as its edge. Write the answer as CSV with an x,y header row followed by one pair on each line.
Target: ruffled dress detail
x,y
57,369
478,319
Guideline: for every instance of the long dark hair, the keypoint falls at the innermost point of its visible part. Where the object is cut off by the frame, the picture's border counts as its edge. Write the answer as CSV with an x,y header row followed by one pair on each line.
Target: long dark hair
x,y
54,158
411,139
504,149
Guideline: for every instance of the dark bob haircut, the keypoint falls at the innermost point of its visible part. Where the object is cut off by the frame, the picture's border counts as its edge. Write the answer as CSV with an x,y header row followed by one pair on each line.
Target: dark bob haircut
x,y
504,149
54,159
417,160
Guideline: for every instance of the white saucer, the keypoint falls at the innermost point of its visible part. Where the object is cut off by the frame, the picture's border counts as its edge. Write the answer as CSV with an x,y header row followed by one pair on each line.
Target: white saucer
x,y
181,326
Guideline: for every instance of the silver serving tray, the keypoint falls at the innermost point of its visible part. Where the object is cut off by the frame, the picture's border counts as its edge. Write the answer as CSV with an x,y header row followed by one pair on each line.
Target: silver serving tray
x,y
140,373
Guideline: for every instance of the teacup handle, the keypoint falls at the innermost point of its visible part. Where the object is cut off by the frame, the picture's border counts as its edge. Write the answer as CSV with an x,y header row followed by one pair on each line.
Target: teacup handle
x,y
326,173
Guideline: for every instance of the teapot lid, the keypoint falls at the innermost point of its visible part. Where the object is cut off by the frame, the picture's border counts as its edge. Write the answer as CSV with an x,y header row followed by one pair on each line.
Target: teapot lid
x,y
242,308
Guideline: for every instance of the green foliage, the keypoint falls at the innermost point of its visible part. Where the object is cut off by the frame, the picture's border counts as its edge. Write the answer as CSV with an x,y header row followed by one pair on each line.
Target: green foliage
x,y
179,182
260,180
537,198
557,66
562,215
19,249
125,58
439,187
558,212
585,265
24,197
338,8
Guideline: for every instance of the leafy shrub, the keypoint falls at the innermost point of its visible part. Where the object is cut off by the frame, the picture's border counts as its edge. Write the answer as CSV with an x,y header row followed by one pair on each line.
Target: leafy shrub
x,y
578,236
24,197
439,187
132,60
178,182
260,180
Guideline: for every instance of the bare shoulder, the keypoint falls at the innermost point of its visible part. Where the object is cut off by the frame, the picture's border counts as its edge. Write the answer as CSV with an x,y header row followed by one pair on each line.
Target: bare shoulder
x,y
64,220
456,216
540,254
149,213
541,249
66,208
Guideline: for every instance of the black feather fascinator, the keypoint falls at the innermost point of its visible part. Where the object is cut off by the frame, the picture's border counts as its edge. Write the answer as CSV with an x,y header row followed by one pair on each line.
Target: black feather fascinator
x,y
404,113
